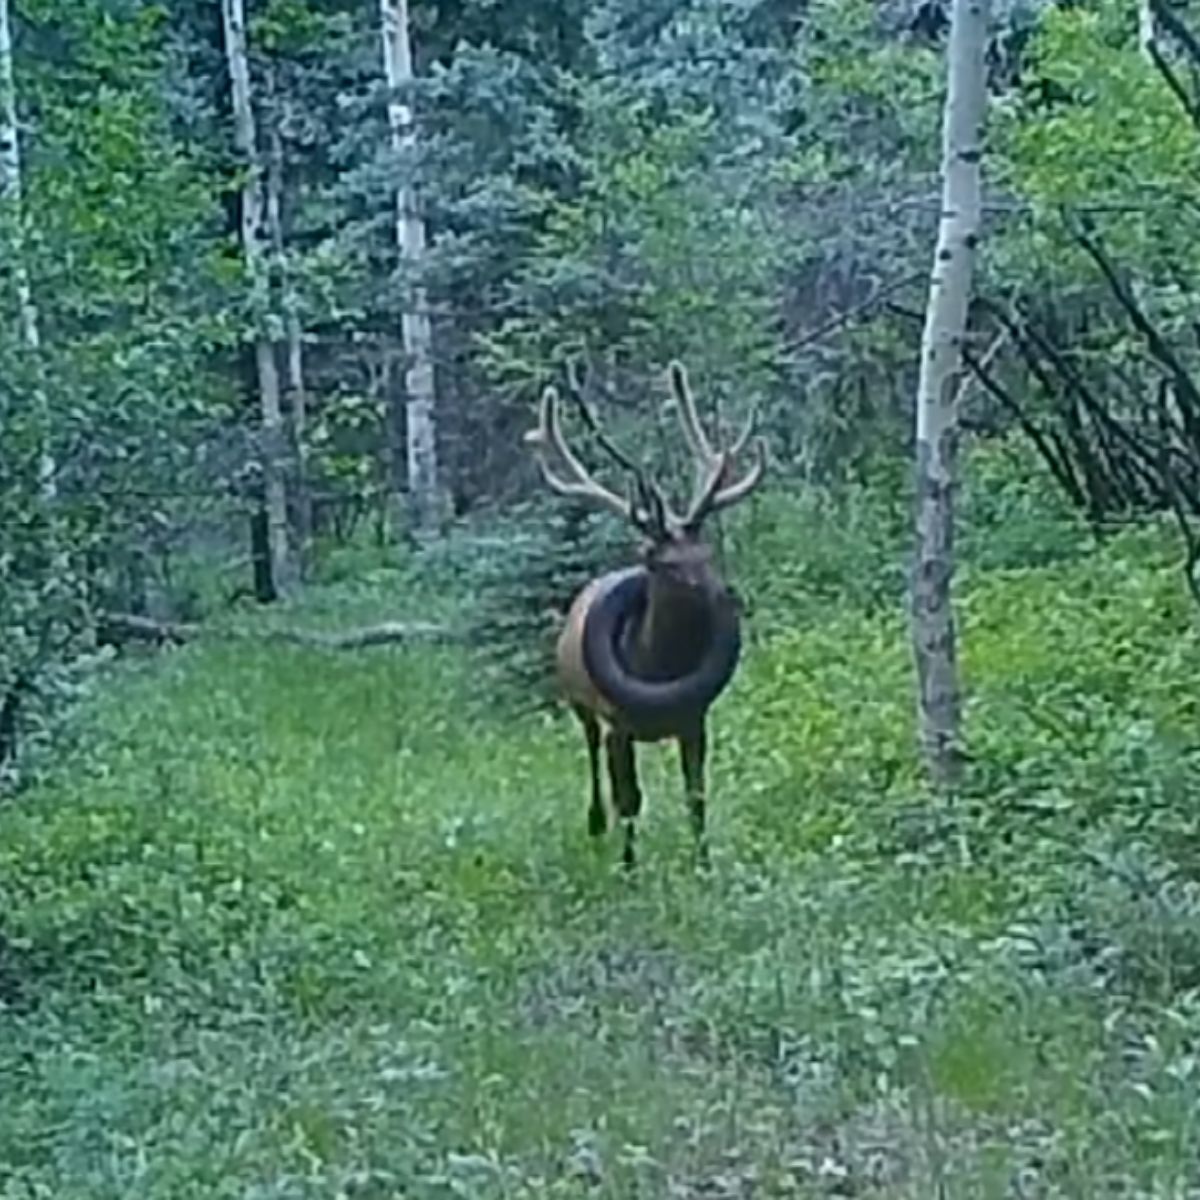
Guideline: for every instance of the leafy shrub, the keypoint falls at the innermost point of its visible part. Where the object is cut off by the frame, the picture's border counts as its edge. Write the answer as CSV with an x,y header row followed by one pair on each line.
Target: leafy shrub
x,y
525,573
795,554
1012,513
371,915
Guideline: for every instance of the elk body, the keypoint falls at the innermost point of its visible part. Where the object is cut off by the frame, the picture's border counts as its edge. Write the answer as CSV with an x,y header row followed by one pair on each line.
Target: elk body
x,y
646,650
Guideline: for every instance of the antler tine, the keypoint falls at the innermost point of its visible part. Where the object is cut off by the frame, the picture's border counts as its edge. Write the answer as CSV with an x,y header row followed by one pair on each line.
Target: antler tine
x,y
702,502
712,497
648,506
728,496
578,484
689,419
743,438
579,395
713,467
651,513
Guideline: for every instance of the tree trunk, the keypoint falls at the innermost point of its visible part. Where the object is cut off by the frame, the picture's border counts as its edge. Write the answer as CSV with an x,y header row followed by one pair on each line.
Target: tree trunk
x,y
298,407
384,392
1147,32
425,499
284,575
297,397
933,626
13,218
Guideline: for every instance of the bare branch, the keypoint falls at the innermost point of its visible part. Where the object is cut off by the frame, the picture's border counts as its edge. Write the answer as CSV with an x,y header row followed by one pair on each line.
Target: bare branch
x,y
579,395
1186,391
116,628
731,495
1186,99
1167,18
858,310
1047,442
976,367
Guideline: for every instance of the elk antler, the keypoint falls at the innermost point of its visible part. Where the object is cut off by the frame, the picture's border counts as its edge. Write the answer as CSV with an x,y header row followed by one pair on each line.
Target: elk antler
x,y
713,489
579,390
644,508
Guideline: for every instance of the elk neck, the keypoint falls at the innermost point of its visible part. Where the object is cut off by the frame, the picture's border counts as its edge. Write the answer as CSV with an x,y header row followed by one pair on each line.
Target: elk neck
x,y
669,637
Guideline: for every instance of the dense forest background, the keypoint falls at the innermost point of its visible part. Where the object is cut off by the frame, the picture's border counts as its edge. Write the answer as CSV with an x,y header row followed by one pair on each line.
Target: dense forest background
x,y
752,187
296,892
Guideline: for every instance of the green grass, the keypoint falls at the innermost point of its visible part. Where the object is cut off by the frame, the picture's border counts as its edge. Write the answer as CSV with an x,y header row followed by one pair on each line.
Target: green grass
x,y
302,924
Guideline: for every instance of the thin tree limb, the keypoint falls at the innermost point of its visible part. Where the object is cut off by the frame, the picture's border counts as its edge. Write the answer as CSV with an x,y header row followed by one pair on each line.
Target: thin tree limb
x,y
1048,445
1155,342
117,628
1191,542
1167,18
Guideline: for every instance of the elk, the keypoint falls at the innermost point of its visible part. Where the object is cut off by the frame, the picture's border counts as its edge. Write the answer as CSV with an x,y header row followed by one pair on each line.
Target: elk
x,y
646,650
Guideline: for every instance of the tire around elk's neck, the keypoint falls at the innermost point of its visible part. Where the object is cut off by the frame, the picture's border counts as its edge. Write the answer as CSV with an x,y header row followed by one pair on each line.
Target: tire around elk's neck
x,y
654,703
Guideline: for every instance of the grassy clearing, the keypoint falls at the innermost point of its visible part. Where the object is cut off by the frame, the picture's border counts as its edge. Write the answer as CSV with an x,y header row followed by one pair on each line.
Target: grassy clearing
x,y
290,924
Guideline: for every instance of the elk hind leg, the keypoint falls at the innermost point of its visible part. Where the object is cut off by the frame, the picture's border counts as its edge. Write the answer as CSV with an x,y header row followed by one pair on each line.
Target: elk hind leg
x,y
626,791
597,816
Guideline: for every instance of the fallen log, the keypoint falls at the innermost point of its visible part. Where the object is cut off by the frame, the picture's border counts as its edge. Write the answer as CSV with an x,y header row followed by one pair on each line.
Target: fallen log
x,y
115,629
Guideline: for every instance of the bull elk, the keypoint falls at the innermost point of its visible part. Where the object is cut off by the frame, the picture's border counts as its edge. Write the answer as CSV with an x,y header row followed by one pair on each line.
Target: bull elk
x,y
646,650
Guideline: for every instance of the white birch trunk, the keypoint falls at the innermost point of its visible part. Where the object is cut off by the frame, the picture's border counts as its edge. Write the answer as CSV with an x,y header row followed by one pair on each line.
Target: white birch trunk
x,y
933,625
425,503
1147,31
283,567
13,217
296,394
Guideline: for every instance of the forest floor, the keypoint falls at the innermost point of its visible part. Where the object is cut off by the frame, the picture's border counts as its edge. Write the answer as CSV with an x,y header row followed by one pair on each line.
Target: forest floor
x,y
293,923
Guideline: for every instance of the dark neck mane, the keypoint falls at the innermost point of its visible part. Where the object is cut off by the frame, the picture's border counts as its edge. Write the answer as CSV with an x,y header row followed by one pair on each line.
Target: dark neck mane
x,y
668,636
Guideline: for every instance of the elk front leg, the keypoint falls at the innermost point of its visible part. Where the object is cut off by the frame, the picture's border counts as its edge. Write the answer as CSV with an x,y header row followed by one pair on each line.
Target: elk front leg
x,y
692,749
626,792
597,817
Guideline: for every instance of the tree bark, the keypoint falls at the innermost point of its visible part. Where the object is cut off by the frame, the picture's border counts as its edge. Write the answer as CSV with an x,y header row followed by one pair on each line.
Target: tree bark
x,y
284,575
13,216
424,492
1147,32
934,637
296,394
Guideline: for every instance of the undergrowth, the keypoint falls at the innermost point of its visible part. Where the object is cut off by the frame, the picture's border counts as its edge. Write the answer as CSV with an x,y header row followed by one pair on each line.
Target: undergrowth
x,y
288,923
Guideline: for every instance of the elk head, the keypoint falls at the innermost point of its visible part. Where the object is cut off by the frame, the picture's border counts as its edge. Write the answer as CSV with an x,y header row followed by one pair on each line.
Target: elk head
x,y
646,650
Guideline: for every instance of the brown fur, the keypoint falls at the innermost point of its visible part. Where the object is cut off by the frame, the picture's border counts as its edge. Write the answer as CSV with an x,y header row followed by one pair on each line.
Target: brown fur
x,y
684,595
668,642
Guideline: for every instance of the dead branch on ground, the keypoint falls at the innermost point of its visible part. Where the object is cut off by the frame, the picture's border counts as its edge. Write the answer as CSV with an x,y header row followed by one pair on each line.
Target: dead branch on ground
x,y
119,628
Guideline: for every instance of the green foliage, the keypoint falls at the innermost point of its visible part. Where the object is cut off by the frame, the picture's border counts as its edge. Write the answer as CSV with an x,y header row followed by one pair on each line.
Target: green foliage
x,y
117,236
526,570
345,936
284,26
1098,266
860,85
623,252
1012,514
791,555
795,554
45,611
323,924
1116,140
